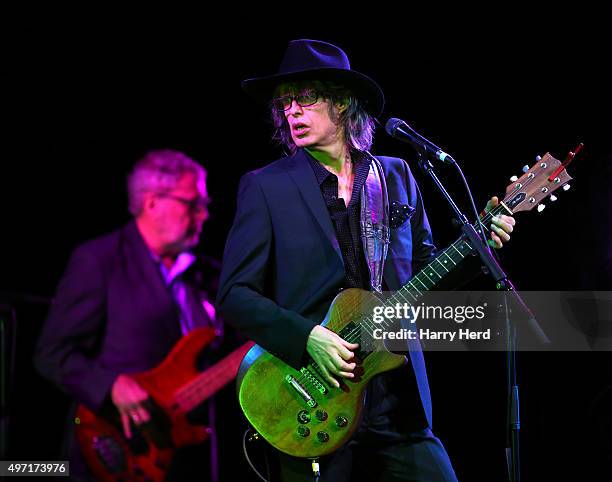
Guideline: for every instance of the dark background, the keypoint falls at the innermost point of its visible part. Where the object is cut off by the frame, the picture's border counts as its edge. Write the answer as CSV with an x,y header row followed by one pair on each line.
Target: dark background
x,y
83,98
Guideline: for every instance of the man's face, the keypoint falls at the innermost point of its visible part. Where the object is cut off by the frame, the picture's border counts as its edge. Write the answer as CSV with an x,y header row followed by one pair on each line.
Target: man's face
x,y
178,214
310,125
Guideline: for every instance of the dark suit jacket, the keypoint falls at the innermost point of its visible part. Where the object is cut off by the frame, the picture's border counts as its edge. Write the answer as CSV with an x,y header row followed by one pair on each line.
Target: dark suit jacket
x,y
282,264
112,314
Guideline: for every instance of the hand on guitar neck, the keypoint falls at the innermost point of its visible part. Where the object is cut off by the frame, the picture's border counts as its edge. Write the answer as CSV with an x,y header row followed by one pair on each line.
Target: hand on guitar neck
x,y
501,225
331,353
129,397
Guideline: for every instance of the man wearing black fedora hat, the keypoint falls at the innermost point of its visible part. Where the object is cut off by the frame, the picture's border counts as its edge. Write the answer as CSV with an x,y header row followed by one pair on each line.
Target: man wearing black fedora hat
x,y
330,216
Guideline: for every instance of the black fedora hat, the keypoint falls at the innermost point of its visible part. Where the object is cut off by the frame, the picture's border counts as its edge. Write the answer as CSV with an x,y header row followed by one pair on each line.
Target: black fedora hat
x,y
315,60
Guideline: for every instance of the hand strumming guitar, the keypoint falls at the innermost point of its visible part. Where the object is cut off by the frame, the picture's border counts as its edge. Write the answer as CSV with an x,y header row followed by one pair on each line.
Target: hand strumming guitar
x,y
331,353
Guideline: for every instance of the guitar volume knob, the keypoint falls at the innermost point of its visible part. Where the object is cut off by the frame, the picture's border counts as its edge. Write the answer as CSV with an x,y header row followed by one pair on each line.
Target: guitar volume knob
x,y
323,437
341,421
303,431
303,416
321,415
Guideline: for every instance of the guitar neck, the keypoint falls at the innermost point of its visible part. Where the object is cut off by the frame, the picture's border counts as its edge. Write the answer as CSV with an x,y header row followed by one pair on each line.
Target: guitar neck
x,y
210,381
537,182
425,280
441,265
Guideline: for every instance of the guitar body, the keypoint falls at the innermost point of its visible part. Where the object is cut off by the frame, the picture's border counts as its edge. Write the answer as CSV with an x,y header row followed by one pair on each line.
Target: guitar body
x,y
284,416
173,393
112,458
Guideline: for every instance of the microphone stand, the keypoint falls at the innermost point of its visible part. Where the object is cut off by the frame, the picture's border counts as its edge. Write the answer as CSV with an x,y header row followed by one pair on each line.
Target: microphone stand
x,y
502,283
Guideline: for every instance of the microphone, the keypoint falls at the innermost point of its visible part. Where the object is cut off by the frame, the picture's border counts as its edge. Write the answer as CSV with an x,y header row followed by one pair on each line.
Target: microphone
x,y
398,129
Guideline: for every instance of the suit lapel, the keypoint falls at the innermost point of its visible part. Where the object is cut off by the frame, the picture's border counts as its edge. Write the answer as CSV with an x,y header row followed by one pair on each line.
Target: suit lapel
x,y
139,257
301,173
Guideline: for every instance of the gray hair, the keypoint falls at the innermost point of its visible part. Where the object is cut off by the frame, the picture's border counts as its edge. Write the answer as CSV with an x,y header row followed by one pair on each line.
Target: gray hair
x,y
358,126
159,171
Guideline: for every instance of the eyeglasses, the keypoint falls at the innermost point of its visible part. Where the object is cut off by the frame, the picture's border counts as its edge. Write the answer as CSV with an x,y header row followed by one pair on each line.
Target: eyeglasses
x,y
305,99
194,205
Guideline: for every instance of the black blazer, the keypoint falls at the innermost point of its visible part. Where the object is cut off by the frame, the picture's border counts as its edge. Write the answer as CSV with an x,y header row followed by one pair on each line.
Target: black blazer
x,y
282,264
112,314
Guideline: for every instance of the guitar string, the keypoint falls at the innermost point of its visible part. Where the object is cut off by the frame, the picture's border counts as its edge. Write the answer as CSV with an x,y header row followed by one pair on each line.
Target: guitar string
x,y
191,392
206,381
355,334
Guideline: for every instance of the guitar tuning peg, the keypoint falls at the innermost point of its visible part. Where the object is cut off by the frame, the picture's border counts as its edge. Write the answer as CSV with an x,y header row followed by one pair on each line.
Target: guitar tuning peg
x,y
566,187
538,158
525,168
514,179
553,197
541,207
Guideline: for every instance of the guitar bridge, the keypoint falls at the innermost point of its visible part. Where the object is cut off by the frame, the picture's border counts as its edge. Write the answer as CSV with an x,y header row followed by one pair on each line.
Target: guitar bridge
x,y
301,391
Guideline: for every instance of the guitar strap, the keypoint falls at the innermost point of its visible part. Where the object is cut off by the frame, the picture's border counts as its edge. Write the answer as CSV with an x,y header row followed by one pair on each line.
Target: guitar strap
x,y
375,232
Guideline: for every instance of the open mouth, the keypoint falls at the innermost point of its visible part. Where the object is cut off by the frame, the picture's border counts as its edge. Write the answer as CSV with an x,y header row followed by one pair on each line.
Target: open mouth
x,y
300,129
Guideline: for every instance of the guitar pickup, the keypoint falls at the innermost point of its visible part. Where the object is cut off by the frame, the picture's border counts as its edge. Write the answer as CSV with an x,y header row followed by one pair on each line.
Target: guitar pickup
x,y
314,381
304,395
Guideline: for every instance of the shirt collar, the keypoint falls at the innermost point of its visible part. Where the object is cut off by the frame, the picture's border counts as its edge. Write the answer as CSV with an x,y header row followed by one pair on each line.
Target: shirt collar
x,y
182,263
322,174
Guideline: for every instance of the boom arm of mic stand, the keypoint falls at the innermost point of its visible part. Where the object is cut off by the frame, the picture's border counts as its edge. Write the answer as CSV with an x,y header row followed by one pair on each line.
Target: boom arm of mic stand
x,y
497,273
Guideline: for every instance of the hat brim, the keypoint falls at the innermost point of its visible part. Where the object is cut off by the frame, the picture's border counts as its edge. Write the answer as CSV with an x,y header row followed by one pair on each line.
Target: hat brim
x,y
262,88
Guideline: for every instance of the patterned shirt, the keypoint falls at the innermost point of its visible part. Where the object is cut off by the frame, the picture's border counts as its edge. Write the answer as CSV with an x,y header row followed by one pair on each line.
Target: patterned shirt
x,y
347,219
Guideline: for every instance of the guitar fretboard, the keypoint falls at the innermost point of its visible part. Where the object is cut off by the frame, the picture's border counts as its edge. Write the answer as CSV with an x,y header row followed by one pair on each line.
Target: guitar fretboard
x,y
426,279
211,380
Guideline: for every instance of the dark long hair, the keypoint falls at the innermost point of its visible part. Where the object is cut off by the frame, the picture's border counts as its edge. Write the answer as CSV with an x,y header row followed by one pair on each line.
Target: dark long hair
x,y
356,123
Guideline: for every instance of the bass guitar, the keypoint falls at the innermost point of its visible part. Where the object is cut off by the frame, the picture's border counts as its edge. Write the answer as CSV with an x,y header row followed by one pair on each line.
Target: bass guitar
x,y
175,387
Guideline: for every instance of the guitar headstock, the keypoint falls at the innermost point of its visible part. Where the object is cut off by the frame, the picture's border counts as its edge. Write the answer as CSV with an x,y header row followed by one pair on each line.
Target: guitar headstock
x,y
540,181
